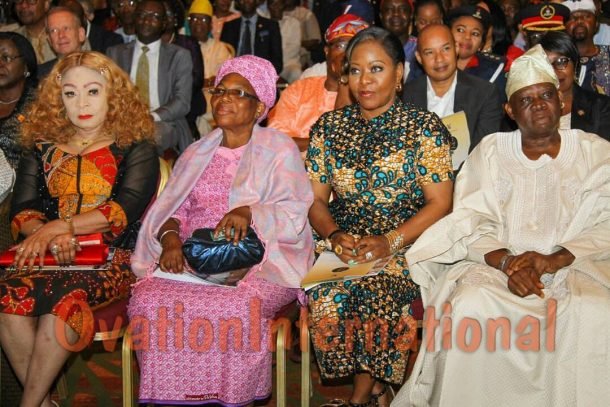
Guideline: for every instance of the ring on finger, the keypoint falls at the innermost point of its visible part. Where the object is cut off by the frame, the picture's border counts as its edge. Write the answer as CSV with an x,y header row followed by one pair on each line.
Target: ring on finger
x,y
21,249
54,249
74,242
368,256
338,250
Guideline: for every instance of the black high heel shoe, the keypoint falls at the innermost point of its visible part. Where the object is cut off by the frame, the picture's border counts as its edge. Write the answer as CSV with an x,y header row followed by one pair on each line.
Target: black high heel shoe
x,y
375,397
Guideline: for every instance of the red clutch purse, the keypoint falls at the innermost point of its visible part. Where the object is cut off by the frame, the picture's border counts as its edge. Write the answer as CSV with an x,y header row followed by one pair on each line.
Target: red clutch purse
x,y
93,252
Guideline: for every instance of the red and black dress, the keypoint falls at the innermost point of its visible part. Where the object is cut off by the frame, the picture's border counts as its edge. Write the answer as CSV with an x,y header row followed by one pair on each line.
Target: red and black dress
x,y
53,184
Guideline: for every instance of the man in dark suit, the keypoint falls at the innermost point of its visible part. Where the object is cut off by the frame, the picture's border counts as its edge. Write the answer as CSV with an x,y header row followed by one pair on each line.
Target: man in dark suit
x,y
445,90
265,38
99,38
162,73
102,39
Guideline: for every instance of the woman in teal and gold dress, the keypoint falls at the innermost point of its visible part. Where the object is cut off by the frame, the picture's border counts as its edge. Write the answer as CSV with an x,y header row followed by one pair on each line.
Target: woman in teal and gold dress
x,y
389,166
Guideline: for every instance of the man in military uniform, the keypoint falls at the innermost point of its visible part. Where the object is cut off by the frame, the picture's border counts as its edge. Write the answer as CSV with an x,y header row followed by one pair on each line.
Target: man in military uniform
x,y
469,26
533,21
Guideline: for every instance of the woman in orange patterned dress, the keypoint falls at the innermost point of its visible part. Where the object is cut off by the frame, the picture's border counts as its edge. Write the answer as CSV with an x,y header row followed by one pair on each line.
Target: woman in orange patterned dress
x,y
90,167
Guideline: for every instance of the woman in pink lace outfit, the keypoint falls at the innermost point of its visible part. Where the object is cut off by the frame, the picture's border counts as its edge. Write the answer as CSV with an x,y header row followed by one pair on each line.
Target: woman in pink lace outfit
x,y
201,343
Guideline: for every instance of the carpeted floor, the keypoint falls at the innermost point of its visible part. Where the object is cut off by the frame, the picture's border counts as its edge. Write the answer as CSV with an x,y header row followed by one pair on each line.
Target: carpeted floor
x,y
94,379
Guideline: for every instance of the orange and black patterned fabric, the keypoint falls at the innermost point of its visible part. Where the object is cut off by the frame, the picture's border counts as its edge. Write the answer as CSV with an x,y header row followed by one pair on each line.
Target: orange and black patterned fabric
x,y
54,184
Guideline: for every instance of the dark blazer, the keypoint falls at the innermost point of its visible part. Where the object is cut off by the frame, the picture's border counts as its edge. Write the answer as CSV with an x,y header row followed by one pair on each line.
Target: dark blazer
x,y
267,43
175,89
198,105
101,39
486,66
45,69
478,98
591,112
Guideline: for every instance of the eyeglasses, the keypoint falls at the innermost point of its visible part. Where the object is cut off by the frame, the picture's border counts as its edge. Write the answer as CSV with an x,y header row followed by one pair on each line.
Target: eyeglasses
x,y
7,59
127,3
146,14
63,30
194,20
29,2
534,37
339,45
561,63
424,22
238,93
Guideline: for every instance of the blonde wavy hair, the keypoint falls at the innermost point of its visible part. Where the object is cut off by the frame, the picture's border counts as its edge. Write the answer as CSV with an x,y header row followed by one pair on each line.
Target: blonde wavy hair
x,y
128,117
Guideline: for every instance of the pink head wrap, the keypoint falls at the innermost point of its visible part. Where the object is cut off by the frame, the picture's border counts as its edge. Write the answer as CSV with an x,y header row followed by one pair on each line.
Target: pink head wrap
x,y
259,72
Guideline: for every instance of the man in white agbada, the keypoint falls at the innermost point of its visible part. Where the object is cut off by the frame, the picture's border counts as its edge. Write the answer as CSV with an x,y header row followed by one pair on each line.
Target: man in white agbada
x,y
521,267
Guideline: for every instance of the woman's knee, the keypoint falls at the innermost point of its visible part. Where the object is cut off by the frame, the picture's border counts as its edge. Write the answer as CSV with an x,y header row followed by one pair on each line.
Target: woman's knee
x,y
11,320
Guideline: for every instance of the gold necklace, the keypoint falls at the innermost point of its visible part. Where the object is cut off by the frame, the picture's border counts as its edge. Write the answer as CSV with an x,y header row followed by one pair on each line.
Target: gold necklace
x,y
85,143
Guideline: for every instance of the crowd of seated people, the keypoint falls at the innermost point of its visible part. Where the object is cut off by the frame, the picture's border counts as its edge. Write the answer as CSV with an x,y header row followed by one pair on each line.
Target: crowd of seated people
x,y
467,141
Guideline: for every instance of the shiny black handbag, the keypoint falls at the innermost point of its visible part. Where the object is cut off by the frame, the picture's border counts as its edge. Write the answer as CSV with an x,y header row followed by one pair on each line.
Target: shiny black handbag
x,y
208,255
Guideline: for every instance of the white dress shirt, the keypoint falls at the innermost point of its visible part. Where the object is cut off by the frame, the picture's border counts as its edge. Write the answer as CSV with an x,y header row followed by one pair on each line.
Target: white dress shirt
x,y
127,38
441,105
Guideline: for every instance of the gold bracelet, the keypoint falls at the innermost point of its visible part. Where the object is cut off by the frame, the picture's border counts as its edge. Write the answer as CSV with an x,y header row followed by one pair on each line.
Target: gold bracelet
x,y
395,240
68,220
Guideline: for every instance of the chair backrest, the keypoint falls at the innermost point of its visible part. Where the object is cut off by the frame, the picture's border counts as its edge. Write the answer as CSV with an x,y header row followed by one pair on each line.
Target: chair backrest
x,y
165,170
230,48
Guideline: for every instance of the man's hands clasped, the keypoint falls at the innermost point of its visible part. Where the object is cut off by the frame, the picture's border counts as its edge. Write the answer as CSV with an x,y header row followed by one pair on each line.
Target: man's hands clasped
x,y
524,270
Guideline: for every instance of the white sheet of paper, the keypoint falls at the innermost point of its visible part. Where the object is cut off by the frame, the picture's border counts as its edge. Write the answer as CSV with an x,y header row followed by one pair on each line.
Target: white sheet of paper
x,y
457,125
184,277
328,267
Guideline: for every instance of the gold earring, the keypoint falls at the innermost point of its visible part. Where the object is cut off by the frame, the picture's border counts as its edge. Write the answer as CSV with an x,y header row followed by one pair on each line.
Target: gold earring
x,y
399,87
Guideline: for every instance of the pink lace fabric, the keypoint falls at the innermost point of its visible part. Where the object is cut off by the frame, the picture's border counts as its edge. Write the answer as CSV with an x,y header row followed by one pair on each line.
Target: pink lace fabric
x,y
208,202
198,343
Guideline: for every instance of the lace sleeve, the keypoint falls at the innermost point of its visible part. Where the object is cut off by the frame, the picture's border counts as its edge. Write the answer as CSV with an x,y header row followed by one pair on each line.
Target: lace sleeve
x,y
28,200
28,194
7,176
137,182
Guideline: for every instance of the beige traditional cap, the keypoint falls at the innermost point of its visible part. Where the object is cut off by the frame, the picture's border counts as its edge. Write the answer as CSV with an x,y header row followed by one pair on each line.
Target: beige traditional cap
x,y
529,69
581,5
